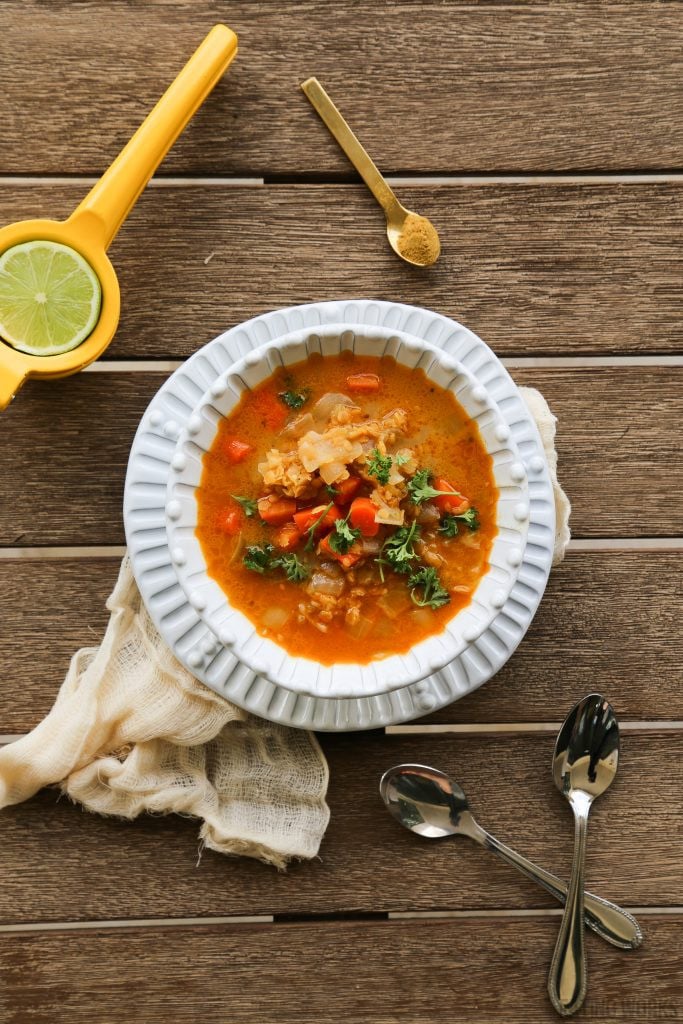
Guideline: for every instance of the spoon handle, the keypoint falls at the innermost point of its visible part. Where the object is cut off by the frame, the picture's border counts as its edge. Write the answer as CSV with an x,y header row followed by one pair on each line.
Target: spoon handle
x,y
356,153
567,980
606,919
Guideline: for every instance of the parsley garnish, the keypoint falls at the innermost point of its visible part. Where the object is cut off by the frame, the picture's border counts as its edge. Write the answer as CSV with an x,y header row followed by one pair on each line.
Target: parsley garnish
x,y
293,568
398,551
248,504
311,529
449,523
343,536
294,399
379,466
401,459
433,593
260,558
421,490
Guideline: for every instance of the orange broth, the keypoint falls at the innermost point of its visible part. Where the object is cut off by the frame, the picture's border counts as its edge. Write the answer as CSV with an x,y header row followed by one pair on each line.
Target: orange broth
x,y
442,437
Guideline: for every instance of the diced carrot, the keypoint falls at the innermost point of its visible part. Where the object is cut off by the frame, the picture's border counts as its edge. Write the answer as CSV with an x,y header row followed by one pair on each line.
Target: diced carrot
x,y
308,516
447,505
229,521
362,516
346,490
268,406
287,537
363,383
236,451
353,555
276,511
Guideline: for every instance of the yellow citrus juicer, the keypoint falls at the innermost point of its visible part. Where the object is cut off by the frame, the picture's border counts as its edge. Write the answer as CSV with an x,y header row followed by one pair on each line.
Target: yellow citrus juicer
x,y
93,225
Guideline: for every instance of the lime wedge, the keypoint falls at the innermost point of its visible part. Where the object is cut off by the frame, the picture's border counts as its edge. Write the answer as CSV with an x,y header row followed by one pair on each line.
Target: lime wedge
x,y
49,298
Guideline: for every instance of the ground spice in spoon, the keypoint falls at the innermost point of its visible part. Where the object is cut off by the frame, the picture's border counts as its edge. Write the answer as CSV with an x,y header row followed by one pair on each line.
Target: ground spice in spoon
x,y
418,240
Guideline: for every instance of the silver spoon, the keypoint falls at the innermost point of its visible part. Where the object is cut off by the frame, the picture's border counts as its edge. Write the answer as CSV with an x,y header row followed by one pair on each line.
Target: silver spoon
x,y
426,801
584,765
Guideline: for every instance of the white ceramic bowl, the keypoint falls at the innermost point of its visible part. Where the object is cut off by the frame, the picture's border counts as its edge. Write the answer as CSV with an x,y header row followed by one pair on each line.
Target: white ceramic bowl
x,y
233,629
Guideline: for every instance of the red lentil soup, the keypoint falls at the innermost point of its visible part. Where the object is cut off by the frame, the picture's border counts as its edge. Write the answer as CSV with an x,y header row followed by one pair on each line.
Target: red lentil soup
x,y
347,508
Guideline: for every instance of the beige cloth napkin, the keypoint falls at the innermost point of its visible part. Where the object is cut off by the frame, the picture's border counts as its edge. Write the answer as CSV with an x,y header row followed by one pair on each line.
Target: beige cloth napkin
x,y
131,731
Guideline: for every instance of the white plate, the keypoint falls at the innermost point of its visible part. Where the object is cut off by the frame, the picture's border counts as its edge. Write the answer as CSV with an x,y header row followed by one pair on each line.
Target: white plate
x,y
235,630
198,647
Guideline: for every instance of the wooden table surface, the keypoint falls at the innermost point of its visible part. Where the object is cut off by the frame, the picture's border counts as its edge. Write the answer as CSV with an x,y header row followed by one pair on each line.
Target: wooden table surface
x,y
543,140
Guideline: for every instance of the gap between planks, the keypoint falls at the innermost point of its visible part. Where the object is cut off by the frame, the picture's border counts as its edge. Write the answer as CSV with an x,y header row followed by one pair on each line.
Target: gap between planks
x,y
268,919
485,729
76,551
395,180
511,362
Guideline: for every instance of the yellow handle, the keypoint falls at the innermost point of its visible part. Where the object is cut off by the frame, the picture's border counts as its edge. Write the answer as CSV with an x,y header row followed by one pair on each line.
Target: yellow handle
x,y
349,142
12,374
110,201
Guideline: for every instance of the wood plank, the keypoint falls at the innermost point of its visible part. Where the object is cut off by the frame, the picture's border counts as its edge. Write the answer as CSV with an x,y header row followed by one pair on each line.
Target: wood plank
x,y
470,86
611,617
608,620
617,442
533,269
367,862
361,972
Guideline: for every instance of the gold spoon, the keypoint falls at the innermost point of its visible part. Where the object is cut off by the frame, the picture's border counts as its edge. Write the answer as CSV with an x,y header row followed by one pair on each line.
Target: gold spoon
x,y
412,237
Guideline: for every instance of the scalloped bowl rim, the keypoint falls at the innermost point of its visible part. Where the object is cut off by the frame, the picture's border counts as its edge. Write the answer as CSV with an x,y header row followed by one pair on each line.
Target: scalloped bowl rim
x,y
233,628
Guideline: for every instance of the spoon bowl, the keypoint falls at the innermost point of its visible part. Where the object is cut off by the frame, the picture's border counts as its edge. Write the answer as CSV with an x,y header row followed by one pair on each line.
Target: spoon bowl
x,y
429,803
424,800
587,750
412,236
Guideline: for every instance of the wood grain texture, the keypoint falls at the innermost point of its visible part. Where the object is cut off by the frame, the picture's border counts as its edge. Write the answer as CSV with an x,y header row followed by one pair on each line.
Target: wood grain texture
x,y
440,87
149,868
398,972
533,269
609,618
618,442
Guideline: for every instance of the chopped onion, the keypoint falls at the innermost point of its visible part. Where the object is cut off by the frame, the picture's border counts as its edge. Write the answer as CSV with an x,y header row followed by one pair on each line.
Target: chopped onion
x,y
429,514
360,629
470,540
299,426
275,618
321,583
394,603
332,472
370,545
322,410
424,618
332,569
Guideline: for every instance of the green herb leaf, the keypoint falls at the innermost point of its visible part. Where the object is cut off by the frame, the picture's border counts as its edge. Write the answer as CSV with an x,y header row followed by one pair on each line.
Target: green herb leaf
x,y
421,490
258,557
295,399
248,504
449,523
433,593
398,549
343,536
293,568
379,466
311,529
401,459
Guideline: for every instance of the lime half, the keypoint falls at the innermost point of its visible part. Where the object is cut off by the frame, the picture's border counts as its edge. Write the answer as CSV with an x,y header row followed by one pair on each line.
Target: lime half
x,y
49,298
